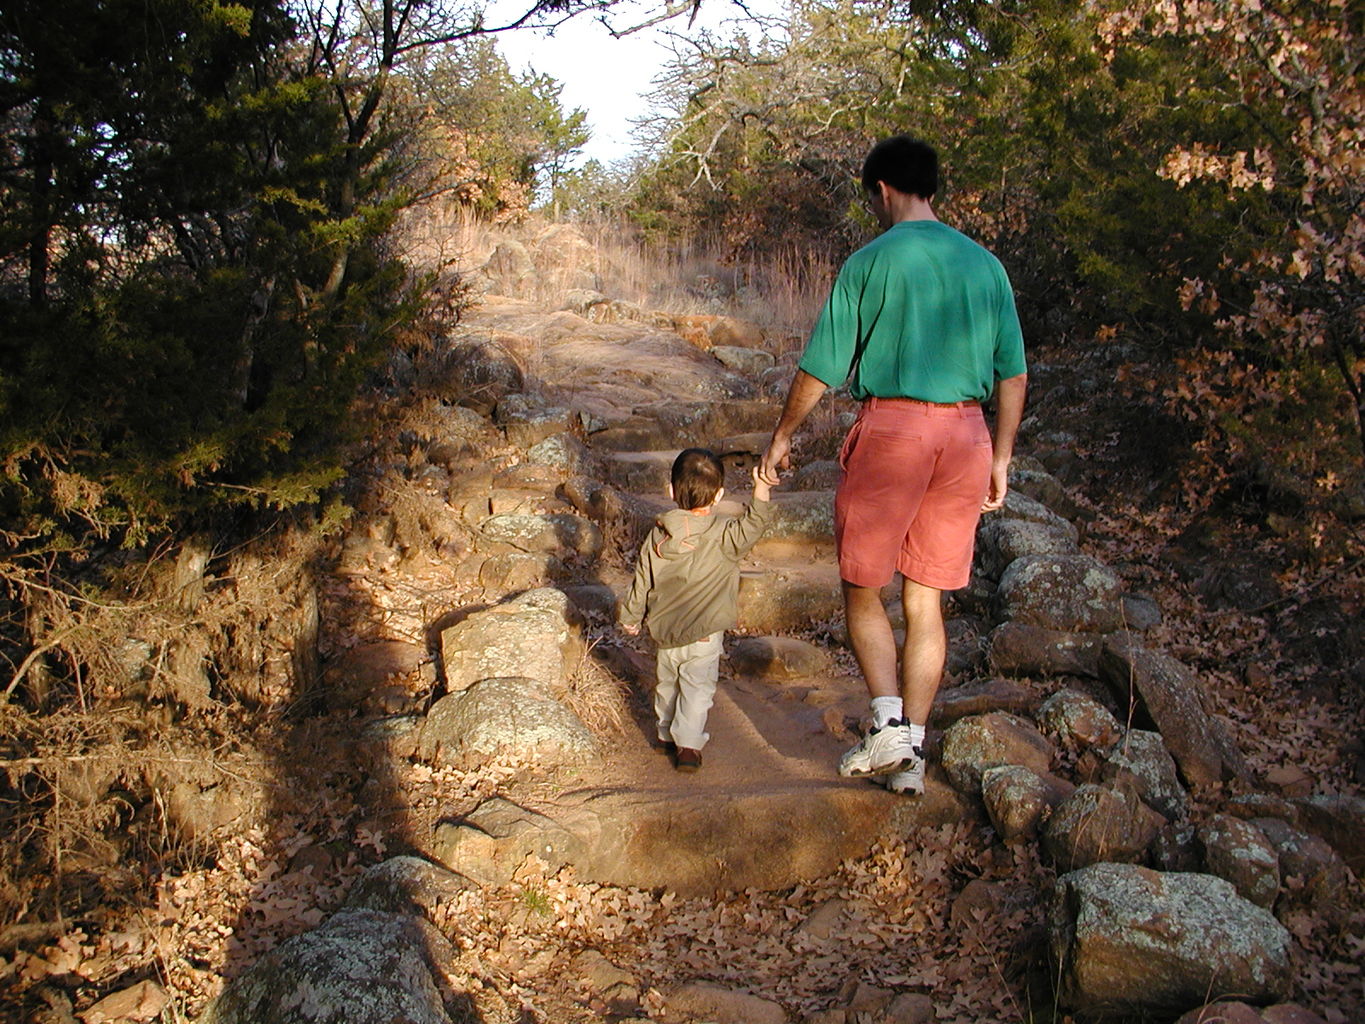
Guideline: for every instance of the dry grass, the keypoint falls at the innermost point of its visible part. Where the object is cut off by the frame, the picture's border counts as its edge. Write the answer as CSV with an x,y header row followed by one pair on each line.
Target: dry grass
x,y
597,697
788,291
687,276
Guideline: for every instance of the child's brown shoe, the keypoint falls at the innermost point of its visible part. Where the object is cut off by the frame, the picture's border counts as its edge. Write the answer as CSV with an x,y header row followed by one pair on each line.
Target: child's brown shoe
x,y
689,760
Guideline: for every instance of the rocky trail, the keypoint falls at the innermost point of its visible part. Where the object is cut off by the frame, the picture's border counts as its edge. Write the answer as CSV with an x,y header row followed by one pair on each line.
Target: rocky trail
x,y
1089,816
766,810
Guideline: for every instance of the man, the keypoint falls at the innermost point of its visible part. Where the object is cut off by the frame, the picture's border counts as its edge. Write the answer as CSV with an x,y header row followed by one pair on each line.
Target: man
x,y
923,319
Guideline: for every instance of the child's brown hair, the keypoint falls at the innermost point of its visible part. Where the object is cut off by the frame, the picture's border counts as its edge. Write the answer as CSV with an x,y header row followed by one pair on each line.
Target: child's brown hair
x,y
698,476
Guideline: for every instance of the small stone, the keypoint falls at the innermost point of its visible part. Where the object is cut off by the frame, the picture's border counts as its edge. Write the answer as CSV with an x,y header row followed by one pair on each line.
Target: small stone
x,y
1018,799
980,696
869,999
1176,848
703,1000
750,361
313,857
1223,1013
1021,649
1239,852
1098,823
972,745
1077,721
777,658
978,901
823,919
910,1008
615,988
1143,757
143,1001
1289,1013
1290,780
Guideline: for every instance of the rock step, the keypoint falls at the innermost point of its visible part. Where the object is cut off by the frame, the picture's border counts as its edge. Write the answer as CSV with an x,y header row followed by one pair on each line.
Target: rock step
x,y
647,472
705,841
786,586
678,423
767,809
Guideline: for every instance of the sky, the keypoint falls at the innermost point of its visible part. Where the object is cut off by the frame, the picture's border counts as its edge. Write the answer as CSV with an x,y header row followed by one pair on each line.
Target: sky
x,y
610,77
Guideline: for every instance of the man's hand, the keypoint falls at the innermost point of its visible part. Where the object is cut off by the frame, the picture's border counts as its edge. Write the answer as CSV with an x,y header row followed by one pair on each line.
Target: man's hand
x,y
630,630
775,459
995,496
804,392
1009,411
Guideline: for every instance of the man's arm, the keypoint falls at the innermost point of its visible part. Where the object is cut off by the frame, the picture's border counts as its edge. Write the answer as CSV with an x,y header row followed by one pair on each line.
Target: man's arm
x,y
1009,413
802,397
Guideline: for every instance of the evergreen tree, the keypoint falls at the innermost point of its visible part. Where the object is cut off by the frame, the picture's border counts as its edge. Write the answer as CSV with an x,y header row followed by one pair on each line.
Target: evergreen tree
x,y
178,330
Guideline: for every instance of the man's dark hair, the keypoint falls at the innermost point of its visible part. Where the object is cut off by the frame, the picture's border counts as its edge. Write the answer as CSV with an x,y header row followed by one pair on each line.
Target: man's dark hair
x,y
907,165
698,477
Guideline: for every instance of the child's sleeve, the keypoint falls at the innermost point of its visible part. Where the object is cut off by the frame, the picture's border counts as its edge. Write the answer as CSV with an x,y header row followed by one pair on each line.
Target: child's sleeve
x,y
632,610
744,532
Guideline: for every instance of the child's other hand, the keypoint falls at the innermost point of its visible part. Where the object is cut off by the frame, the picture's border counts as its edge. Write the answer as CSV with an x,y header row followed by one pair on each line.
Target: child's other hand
x,y
763,484
630,630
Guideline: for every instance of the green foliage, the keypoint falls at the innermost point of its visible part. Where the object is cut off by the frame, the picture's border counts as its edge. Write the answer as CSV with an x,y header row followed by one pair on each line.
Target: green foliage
x,y
189,297
494,137
589,192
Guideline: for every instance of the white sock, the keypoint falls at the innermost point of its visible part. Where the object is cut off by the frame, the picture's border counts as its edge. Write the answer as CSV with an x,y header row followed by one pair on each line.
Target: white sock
x,y
916,734
884,709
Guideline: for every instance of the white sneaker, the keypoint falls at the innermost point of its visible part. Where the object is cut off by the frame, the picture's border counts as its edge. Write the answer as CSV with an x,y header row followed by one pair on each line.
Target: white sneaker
x,y
908,781
881,751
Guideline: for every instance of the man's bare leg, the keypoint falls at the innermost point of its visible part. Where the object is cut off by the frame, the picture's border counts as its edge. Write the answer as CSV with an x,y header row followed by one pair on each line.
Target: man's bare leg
x,y
891,744
869,632
926,649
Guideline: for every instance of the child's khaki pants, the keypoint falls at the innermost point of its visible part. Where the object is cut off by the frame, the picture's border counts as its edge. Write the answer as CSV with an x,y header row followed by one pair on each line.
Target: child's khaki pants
x,y
687,686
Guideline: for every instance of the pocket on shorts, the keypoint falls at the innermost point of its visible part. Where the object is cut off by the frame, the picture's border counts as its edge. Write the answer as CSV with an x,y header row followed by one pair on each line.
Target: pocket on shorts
x,y
892,434
850,442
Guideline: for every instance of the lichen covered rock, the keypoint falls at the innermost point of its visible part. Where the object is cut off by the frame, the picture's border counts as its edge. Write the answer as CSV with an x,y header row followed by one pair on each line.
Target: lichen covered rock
x,y
1076,721
361,967
1238,851
1127,938
1100,823
1062,592
972,745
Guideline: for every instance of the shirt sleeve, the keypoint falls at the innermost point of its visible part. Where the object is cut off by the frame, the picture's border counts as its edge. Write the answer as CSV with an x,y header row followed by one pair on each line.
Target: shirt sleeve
x,y
632,610
744,532
1009,338
833,343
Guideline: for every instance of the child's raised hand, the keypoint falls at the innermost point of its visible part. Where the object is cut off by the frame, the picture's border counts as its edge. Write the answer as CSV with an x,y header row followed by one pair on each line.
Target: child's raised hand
x,y
762,484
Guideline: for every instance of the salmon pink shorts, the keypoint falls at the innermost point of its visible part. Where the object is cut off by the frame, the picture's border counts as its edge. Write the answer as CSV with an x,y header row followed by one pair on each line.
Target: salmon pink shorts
x,y
914,478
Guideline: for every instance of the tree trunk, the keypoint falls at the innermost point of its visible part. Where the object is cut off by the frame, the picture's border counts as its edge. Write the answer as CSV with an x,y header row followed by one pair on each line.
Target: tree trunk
x,y
40,235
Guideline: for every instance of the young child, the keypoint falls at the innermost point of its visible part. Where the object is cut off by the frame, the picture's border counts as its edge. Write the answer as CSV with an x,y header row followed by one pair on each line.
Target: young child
x,y
686,588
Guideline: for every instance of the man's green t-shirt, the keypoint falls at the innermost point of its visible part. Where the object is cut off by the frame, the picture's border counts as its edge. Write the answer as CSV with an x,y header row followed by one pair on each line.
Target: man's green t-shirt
x,y
920,312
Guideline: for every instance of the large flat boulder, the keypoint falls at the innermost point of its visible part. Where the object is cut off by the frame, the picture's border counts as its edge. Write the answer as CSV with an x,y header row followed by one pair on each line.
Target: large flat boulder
x,y
511,716
779,599
698,844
